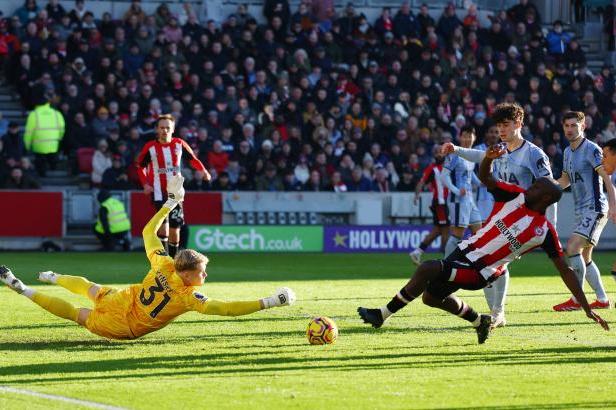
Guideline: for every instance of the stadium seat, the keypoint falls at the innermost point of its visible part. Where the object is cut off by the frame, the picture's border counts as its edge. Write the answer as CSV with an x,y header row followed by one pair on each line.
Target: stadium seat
x,y
84,159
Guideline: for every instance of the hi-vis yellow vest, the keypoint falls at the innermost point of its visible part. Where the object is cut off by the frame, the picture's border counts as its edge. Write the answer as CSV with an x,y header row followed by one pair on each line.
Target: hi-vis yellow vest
x,y
44,130
116,215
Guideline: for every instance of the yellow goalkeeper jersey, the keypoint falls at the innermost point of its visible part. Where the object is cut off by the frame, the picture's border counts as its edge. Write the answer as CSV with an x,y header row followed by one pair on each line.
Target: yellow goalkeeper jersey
x,y
160,298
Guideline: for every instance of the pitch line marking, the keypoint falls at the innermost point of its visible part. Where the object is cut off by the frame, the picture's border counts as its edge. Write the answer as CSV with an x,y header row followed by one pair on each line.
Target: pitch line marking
x,y
55,397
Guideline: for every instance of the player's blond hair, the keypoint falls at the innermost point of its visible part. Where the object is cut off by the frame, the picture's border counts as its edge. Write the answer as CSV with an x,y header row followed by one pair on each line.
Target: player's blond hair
x,y
168,117
187,259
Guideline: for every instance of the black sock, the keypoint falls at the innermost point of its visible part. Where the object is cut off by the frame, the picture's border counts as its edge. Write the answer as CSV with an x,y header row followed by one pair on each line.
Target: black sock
x,y
614,274
423,246
165,242
173,249
467,313
399,301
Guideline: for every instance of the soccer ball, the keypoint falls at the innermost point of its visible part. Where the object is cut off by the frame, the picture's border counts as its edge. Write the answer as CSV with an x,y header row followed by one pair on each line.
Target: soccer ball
x,y
321,330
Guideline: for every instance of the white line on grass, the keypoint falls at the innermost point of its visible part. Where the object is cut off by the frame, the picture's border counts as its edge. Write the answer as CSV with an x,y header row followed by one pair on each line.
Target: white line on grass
x,y
55,397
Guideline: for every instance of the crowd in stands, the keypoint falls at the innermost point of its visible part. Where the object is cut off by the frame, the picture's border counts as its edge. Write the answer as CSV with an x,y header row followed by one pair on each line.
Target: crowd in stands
x,y
314,99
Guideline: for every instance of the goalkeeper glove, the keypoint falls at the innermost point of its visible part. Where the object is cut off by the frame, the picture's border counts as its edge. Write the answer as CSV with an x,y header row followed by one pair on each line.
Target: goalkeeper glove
x,y
175,191
282,297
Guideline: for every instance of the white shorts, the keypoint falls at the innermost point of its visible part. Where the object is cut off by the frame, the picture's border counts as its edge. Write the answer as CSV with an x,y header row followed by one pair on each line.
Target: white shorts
x,y
464,213
590,225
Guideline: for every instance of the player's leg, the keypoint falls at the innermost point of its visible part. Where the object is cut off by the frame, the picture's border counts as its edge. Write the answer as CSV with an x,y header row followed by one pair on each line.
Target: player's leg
x,y
593,277
456,306
176,220
54,305
460,214
575,245
75,284
614,270
426,272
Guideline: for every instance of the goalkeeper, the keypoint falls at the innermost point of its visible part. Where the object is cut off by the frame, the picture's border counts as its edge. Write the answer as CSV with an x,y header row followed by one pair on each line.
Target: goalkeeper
x,y
168,290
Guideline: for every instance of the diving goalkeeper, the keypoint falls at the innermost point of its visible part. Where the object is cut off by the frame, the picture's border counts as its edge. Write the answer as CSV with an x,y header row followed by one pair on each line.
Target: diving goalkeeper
x,y
168,290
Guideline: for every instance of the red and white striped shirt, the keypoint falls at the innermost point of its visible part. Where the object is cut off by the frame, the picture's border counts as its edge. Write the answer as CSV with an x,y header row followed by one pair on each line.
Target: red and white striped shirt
x,y
432,174
158,160
512,230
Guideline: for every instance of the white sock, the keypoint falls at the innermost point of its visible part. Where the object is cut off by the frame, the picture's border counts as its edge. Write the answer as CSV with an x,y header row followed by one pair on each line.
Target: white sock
x,y
451,244
579,267
28,292
593,277
269,302
498,293
385,312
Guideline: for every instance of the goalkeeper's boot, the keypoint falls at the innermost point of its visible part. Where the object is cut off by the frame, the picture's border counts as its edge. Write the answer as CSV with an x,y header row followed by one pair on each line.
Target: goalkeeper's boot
x,y
484,328
597,304
48,277
372,316
416,256
567,306
7,277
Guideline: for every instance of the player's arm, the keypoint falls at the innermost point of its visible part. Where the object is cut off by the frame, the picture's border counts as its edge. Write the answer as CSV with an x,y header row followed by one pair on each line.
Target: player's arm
x,y
142,166
194,161
422,182
446,178
469,154
564,180
485,168
552,247
199,303
175,193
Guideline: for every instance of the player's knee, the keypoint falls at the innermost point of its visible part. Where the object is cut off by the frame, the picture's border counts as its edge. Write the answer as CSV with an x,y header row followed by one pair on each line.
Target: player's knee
x,y
574,246
429,300
429,269
82,316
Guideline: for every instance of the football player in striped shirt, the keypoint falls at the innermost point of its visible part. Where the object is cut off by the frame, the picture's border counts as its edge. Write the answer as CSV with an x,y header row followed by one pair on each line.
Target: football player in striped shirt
x,y
518,225
583,171
158,161
521,165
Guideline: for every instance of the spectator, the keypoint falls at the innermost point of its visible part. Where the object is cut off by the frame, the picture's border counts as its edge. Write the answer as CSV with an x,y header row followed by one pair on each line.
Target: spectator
x,y
115,178
358,182
222,183
13,144
17,180
314,183
269,181
27,12
113,226
198,183
100,162
557,41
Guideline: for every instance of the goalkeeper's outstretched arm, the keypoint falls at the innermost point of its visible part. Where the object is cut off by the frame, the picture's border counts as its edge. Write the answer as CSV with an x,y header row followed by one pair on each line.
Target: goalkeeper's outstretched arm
x,y
282,297
175,192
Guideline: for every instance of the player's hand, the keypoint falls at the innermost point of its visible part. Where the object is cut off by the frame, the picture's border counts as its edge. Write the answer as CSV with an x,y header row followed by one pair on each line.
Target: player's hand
x,y
595,317
175,188
206,175
448,148
496,150
284,297
462,191
147,189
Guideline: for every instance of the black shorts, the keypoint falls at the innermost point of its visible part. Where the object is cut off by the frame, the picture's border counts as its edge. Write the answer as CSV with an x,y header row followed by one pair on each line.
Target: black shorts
x,y
456,273
440,214
176,216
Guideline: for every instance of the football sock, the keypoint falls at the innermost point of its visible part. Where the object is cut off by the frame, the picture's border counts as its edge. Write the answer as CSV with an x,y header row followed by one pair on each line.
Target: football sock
x,y
74,284
468,313
614,274
593,277
579,267
55,306
452,242
399,301
165,242
423,246
497,292
173,249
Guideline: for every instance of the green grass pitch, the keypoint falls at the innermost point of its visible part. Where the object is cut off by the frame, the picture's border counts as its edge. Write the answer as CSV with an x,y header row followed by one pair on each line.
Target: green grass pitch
x,y
422,358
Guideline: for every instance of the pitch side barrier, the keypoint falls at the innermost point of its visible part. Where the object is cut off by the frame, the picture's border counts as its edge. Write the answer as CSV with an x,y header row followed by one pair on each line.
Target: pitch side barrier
x,y
250,221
